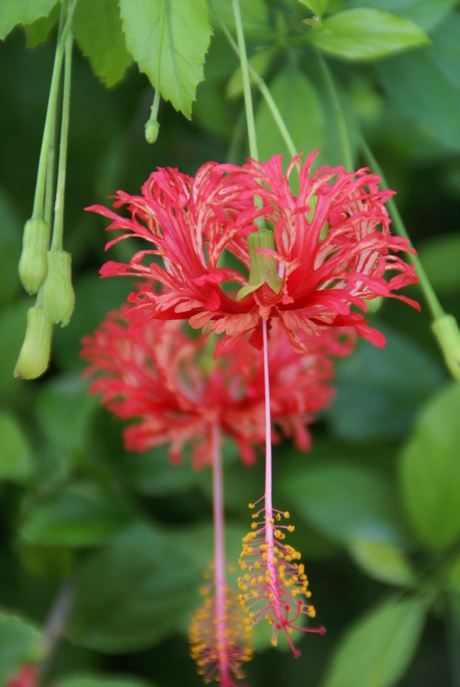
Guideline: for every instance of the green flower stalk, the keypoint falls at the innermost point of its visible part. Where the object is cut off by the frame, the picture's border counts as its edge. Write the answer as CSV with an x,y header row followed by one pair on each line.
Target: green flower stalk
x,y
152,127
32,264
58,298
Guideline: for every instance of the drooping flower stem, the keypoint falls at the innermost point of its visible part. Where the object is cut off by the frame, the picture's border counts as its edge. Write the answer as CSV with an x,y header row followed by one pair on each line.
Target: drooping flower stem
x,y
50,117
264,90
152,127
56,243
338,112
55,624
444,326
428,291
253,151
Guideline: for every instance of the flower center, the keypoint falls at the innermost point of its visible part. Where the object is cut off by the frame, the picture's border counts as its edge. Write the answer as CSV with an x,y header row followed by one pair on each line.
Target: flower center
x,y
263,268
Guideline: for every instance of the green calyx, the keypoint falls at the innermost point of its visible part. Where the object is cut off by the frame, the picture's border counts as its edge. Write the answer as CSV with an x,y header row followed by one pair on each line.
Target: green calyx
x,y
375,304
35,352
32,263
263,269
58,298
447,333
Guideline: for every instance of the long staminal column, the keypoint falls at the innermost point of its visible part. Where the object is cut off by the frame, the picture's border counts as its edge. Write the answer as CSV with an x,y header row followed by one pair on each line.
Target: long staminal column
x,y
219,554
220,634
274,584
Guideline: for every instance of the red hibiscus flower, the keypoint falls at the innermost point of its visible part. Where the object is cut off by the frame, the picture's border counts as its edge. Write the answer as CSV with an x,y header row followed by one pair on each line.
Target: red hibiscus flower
x,y
167,385
235,245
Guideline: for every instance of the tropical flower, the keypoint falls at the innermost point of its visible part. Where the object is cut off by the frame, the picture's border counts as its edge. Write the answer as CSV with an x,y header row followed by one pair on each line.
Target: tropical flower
x,y
167,385
165,381
236,245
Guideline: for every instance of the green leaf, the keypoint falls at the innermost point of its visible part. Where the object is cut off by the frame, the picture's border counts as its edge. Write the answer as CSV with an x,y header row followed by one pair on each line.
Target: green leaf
x,y
198,542
440,256
426,85
20,642
39,31
377,650
187,33
64,411
93,680
346,502
14,12
81,514
426,13
10,249
316,6
105,49
430,471
453,577
151,473
301,110
366,34
46,562
133,593
380,390
383,561
94,297
16,462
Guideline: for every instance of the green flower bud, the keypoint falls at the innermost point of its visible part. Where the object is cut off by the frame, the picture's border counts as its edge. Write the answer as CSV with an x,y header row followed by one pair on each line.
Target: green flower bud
x,y
447,333
152,129
35,353
58,297
375,304
263,269
32,263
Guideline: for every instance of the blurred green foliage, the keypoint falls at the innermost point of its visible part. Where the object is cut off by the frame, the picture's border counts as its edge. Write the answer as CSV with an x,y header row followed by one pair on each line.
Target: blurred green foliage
x,y
376,503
